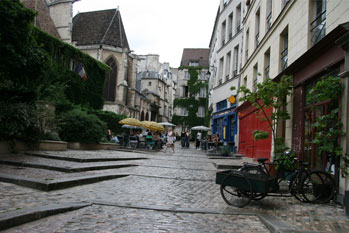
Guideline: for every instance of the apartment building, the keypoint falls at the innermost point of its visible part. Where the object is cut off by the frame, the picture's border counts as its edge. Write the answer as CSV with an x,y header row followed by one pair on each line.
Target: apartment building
x,y
156,82
308,40
190,103
225,65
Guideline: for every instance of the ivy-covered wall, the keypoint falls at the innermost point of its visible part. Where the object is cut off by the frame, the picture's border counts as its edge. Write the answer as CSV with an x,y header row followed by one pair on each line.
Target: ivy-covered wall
x,y
64,56
192,103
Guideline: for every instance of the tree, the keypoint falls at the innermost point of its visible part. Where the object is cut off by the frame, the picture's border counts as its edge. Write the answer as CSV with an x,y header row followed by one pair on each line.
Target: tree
x,y
270,94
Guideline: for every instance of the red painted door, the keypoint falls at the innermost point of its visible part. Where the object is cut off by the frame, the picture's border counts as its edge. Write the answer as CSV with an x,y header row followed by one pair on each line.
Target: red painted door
x,y
249,121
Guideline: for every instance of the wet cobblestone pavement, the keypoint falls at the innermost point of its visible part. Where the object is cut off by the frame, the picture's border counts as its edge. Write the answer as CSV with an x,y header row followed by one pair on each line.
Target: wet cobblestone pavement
x,y
172,192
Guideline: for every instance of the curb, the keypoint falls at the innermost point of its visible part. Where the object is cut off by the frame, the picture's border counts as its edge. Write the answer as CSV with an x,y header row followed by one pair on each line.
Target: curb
x,y
88,160
56,184
18,217
65,169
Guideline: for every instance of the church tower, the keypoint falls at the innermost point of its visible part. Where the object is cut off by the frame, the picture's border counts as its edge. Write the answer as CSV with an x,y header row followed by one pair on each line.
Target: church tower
x,y
61,12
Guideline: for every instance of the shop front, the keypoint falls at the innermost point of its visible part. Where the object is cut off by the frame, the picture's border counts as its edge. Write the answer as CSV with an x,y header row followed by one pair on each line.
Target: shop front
x,y
225,125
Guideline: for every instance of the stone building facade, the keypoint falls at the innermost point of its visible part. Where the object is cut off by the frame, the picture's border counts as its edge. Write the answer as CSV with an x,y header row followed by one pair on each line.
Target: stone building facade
x,y
225,65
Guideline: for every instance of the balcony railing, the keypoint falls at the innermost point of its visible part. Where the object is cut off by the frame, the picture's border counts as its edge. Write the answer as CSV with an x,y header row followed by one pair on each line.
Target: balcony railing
x,y
318,28
269,21
235,72
284,58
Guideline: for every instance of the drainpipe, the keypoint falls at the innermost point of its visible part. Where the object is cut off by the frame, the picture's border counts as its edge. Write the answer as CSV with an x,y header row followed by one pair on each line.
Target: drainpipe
x,y
343,42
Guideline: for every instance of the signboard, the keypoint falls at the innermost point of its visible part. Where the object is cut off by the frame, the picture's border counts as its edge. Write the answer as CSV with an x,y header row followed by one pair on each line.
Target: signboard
x,y
232,99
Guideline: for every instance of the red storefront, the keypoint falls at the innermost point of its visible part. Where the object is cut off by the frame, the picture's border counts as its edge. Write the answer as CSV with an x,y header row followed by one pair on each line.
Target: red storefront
x,y
249,121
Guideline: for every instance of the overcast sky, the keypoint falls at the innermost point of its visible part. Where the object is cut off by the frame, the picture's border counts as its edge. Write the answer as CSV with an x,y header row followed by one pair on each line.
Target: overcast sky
x,y
162,27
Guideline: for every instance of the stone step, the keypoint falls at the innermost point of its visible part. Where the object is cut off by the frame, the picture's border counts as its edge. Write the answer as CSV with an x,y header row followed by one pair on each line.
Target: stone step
x,y
62,183
83,160
66,168
19,217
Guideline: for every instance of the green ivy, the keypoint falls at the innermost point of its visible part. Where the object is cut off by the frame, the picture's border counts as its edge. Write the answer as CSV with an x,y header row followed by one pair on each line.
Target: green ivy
x,y
192,104
328,128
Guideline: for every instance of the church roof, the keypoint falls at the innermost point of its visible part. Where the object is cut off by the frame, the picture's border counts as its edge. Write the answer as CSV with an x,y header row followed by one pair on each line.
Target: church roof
x,y
43,20
99,27
195,55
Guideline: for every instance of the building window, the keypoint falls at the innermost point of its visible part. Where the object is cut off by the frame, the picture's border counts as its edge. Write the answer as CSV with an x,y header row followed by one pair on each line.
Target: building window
x,y
230,26
193,63
223,34
236,61
227,66
318,26
185,91
202,75
183,111
255,78
269,21
221,105
220,74
257,27
284,49
267,63
246,49
201,111
149,84
186,75
111,82
238,19
202,92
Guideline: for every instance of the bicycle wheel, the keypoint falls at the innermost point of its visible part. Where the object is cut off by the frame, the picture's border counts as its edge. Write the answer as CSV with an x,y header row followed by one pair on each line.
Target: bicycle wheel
x,y
295,187
255,170
324,186
236,189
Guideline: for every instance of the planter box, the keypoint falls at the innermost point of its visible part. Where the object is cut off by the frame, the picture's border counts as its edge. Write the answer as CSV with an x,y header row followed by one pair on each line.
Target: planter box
x,y
52,145
92,146
43,145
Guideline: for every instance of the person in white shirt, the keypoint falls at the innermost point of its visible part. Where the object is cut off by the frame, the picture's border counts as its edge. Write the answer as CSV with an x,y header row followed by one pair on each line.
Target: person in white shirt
x,y
198,140
170,140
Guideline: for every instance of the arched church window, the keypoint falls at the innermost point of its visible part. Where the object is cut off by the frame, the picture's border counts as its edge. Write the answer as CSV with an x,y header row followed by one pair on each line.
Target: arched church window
x,y
111,82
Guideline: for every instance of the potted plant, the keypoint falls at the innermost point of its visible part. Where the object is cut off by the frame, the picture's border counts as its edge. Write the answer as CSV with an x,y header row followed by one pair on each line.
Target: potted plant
x,y
225,151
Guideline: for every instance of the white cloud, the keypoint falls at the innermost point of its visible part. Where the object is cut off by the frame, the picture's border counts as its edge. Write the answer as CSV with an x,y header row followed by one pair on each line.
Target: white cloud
x,y
161,27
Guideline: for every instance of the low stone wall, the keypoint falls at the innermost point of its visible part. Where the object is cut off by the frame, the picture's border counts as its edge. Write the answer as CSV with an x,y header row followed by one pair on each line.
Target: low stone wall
x,y
92,146
43,145
56,146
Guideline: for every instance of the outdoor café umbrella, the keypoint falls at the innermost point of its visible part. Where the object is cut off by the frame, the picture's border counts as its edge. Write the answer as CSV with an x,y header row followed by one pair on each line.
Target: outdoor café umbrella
x,y
152,125
131,121
166,124
200,128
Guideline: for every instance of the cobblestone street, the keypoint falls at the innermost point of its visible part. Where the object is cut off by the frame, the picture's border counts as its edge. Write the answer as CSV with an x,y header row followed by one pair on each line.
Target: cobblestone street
x,y
166,192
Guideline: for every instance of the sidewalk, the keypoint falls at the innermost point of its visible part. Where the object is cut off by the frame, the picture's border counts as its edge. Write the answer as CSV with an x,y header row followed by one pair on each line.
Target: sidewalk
x,y
158,192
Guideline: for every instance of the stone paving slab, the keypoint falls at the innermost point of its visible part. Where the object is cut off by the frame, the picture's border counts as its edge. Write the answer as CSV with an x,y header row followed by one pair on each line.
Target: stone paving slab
x,y
182,181
116,219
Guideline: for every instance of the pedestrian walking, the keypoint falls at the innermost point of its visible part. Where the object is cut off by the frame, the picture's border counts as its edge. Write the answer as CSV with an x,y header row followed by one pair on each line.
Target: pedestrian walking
x,y
183,138
170,140
198,140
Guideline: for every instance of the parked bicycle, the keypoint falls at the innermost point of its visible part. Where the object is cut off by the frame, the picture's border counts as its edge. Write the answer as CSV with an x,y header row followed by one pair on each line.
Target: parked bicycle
x,y
256,181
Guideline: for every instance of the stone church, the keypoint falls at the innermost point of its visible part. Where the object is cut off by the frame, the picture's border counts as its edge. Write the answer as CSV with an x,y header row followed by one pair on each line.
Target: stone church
x,y
101,35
